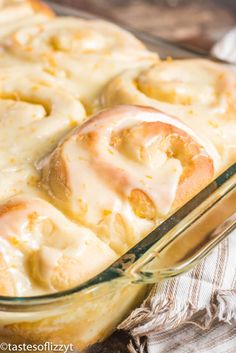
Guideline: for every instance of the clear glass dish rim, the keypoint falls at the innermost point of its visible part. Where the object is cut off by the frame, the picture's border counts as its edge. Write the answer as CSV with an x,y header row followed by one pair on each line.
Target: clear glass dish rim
x,y
114,271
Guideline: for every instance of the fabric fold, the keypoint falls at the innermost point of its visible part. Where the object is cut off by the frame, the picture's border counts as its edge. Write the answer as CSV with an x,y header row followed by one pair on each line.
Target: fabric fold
x,y
201,298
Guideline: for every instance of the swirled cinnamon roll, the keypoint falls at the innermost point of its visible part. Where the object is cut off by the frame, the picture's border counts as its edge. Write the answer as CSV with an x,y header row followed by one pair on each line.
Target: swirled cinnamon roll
x,y
124,170
199,92
42,251
17,13
34,113
86,52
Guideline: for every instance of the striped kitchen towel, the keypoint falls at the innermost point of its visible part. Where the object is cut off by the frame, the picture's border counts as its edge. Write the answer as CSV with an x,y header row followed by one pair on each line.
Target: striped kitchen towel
x,y
195,312
225,49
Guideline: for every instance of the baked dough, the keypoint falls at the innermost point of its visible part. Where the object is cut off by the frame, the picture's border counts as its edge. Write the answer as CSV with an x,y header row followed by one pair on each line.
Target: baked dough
x,y
34,113
75,194
88,53
199,92
17,13
125,169
41,250
107,182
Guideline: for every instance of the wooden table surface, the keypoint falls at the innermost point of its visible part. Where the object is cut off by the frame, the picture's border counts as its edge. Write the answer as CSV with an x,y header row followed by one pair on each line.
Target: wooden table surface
x,y
195,23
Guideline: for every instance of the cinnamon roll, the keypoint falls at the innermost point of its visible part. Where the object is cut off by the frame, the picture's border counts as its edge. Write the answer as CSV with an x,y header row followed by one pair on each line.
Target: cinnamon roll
x,y
34,113
42,251
86,52
124,170
17,13
199,92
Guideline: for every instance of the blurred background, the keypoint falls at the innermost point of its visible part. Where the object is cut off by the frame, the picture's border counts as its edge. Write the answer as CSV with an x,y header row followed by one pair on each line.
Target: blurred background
x,y
193,23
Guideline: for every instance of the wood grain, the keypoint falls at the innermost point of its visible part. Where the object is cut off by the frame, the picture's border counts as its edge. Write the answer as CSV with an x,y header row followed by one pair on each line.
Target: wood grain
x,y
197,23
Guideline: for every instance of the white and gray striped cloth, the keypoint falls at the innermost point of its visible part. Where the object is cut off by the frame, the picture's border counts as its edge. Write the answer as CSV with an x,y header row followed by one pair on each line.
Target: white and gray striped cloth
x,y
195,312
225,49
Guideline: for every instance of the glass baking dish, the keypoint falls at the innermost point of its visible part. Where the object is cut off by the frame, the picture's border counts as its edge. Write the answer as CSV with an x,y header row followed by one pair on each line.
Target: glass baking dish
x,y
88,313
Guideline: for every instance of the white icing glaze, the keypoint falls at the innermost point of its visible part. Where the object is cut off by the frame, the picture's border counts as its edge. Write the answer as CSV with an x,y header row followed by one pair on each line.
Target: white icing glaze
x,y
164,118
198,92
56,63
34,236
15,14
34,113
78,50
99,177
